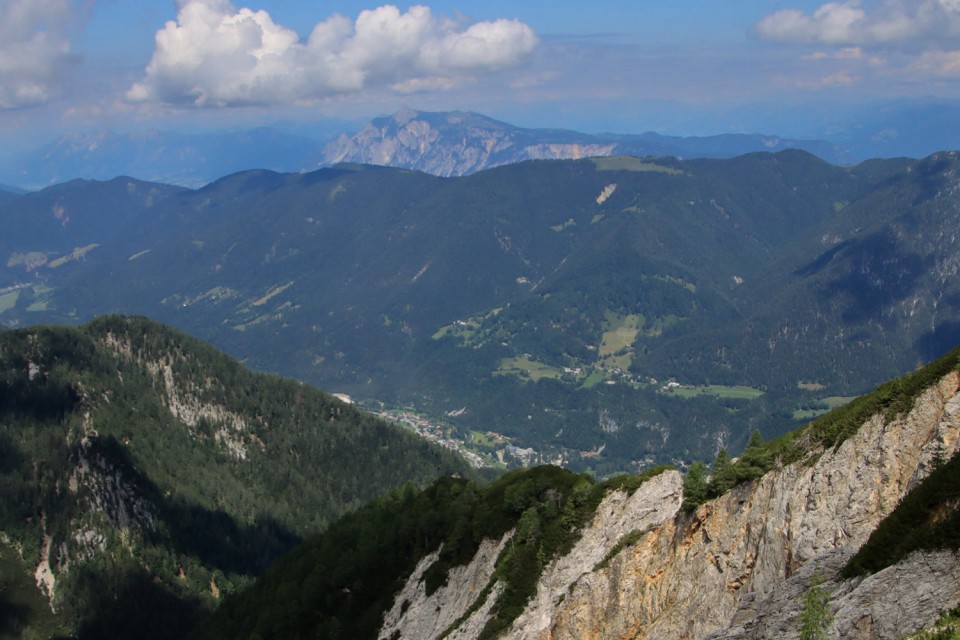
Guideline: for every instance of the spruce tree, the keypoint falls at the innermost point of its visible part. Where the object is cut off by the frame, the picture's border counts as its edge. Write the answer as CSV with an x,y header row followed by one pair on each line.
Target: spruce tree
x,y
815,616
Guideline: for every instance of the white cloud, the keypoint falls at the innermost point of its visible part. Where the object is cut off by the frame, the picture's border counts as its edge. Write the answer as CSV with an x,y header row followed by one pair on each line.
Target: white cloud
x,y
34,50
910,24
217,55
939,63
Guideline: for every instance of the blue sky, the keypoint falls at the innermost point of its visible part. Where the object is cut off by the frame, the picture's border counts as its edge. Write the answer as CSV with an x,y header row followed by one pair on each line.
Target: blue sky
x,y
672,66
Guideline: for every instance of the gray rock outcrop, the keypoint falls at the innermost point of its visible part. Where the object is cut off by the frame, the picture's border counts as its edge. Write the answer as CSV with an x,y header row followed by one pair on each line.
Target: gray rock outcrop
x,y
738,566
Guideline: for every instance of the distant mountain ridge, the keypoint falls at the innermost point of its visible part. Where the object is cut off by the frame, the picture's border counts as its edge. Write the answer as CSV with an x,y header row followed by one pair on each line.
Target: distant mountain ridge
x,y
443,143
459,143
604,313
456,143
191,160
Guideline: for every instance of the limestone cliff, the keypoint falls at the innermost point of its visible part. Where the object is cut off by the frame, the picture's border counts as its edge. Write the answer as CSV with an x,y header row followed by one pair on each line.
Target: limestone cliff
x,y
459,143
736,567
452,144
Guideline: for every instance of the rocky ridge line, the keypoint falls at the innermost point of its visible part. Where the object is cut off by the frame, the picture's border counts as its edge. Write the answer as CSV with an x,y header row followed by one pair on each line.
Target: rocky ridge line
x,y
735,568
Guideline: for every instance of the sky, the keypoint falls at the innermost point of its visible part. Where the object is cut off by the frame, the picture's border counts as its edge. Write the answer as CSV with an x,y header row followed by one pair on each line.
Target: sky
x,y
673,66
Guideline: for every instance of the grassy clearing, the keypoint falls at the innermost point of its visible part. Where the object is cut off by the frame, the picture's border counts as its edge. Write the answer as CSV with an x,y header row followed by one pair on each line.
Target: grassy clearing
x,y
630,163
465,330
658,325
833,402
273,293
619,332
29,260
526,369
77,254
593,379
717,390
215,295
810,386
482,440
825,406
622,362
9,300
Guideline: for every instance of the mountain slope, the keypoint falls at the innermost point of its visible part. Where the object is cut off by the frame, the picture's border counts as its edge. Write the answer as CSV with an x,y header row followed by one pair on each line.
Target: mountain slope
x,y
607,313
459,143
886,264
638,565
142,466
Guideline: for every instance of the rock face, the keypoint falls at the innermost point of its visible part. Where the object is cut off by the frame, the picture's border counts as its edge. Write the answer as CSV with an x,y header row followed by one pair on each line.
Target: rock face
x,y
457,143
737,567
417,615
451,144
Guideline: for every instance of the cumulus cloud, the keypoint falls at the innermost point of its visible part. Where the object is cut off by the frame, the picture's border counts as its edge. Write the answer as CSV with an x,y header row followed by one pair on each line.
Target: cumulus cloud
x,y
911,24
34,50
217,55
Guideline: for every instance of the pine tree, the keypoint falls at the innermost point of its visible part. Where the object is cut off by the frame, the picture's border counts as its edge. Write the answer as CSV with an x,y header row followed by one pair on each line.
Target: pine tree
x,y
755,460
695,486
815,616
723,475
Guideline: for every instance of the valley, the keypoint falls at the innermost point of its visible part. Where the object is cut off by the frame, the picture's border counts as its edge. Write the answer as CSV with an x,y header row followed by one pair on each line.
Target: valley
x,y
607,316
146,476
858,508
479,321
649,310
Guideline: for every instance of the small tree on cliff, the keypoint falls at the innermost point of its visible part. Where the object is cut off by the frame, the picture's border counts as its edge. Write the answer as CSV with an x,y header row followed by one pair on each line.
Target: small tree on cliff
x,y
815,616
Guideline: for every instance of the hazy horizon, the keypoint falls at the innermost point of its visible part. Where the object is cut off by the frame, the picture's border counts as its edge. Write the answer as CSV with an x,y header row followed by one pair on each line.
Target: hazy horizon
x,y
681,68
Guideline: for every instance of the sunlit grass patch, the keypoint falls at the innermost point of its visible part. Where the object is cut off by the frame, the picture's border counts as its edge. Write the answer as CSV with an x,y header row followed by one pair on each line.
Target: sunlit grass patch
x,y
619,332
630,163
9,300
526,368
717,390
77,254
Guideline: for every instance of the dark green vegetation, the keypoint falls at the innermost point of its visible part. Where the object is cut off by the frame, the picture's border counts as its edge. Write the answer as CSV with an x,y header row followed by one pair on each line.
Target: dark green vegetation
x,y
23,609
338,584
927,518
815,616
151,474
551,302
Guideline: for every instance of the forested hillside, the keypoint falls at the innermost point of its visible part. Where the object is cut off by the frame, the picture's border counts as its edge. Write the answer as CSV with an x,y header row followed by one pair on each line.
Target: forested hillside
x,y
606,313
145,475
544,553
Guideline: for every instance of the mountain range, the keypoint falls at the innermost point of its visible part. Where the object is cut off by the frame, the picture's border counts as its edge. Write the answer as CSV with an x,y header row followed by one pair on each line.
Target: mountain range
x,y
608,313
521,295
145,476
458,143
454,143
